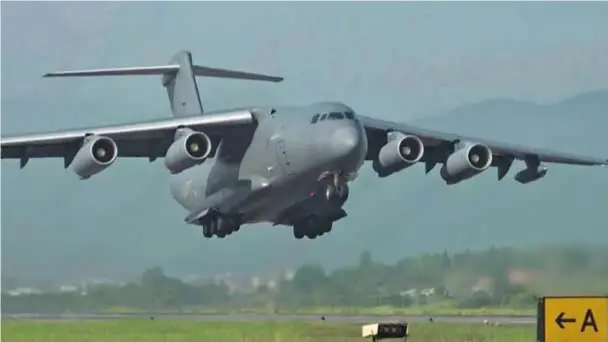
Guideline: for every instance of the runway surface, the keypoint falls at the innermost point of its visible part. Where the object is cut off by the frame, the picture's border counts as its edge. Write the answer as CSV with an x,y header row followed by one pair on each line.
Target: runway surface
x,y
480,319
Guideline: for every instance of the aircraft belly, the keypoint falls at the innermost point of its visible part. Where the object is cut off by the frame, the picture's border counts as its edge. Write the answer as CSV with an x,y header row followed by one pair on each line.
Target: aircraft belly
x,y
283,194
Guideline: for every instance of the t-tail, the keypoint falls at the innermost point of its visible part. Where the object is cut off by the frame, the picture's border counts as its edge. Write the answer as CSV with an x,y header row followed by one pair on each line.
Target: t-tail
x,y
178,77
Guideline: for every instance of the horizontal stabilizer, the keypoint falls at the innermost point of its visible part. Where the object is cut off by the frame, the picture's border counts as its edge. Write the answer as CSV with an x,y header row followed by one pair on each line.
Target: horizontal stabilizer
x,y
149,70
165,69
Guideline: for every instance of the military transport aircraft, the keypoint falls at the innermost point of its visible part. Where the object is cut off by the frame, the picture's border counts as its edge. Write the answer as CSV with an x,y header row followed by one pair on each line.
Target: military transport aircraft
x,y
284,165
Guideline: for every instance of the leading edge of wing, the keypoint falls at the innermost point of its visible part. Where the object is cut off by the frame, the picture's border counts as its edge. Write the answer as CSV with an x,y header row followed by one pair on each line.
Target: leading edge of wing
x,y
501,148
241,117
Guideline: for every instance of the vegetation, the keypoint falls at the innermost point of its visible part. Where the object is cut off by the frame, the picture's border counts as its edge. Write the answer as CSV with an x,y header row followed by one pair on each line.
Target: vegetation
x,y
192,330
497,280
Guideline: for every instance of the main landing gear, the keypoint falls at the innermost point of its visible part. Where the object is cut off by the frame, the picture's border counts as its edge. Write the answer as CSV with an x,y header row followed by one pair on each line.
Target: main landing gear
x,y
219,225
311,227
329,198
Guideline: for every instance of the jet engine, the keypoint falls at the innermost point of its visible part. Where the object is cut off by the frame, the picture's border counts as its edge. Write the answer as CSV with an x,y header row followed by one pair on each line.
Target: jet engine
x,y
466,162
531,174
399,153
96,154
190,149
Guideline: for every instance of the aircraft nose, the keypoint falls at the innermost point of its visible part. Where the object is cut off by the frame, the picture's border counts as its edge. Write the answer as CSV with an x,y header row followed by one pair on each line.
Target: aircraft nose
x,y
346,142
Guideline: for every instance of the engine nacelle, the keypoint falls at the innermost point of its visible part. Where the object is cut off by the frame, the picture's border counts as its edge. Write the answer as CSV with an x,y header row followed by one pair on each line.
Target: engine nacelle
x,y
466,162
95,155
401,152
190,149
529,175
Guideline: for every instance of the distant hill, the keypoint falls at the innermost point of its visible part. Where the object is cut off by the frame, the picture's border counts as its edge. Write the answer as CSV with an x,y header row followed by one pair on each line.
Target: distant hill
x,y
124,220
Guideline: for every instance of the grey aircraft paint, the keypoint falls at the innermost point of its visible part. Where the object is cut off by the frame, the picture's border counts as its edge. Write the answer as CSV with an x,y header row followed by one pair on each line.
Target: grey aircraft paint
x,y
284,165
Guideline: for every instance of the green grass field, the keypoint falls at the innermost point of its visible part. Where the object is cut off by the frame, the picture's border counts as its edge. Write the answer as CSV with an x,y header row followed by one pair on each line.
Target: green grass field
x,y
178,330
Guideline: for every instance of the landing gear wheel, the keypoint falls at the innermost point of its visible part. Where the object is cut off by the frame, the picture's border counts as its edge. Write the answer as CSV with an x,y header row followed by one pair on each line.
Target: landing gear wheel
x,y
343,192
330,192
207,232
312,230
298,232
224,226
326,227
212,226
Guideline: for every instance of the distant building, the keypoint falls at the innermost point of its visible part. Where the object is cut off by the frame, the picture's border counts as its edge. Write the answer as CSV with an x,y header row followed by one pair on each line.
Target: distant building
x,y
68,288
23,291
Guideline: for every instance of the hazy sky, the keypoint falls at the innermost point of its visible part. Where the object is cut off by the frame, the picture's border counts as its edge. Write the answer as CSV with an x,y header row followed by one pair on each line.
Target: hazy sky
x,y
392,60
396,58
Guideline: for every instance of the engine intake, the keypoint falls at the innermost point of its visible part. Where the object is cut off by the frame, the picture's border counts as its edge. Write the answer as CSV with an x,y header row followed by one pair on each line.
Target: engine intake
x,y
400,153
95,155
190,149
466,162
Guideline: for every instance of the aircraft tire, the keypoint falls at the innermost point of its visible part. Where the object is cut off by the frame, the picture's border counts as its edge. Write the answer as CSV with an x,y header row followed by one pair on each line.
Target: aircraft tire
x,y
330,192
213,226
220,227
297,232
343,193
327,227
207,232
312,232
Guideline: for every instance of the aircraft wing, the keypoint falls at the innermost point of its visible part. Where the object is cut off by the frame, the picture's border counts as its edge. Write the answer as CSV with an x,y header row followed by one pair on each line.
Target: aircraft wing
x,y
376,130
149,139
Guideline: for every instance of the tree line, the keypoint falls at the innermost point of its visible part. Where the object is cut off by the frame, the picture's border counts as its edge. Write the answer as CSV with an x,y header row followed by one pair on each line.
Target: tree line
x,y
496,277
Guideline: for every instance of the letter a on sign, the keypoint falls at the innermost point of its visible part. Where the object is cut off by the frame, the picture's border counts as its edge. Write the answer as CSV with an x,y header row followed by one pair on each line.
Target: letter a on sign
x,y
589,321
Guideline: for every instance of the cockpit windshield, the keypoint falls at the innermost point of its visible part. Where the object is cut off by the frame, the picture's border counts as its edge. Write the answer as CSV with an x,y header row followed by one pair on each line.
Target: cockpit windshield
x,y
333,116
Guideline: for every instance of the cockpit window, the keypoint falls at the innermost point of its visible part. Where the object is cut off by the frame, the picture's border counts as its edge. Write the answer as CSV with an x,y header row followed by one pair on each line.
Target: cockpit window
x,y
335,116
315,118
349,115
323,117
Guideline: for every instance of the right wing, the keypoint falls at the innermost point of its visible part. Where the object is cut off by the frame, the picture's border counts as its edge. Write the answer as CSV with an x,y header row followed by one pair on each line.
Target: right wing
x,y
149,139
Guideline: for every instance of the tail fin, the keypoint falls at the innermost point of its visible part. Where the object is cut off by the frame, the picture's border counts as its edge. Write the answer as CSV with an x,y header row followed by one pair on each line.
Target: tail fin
x,y
181,86
178,78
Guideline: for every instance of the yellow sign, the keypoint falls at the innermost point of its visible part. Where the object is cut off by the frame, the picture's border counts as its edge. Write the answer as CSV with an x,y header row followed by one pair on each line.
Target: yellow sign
x,y
573,319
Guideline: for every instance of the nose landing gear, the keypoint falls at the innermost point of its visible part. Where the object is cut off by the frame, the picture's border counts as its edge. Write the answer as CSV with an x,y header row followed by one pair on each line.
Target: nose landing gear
x,y
335,187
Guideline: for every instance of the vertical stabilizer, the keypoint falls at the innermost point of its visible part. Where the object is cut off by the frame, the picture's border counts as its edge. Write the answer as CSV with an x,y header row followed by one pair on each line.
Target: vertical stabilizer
x,y
181,86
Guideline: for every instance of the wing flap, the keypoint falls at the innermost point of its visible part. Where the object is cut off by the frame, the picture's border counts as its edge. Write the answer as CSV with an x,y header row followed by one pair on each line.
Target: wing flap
x,y
434,138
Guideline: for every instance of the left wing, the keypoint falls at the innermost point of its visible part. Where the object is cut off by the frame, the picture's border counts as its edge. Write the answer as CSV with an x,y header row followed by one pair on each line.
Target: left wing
x,y
440,146
151,139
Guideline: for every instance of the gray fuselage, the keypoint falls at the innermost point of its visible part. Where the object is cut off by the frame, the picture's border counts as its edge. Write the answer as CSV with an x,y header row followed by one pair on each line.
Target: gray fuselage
x,y
282,159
